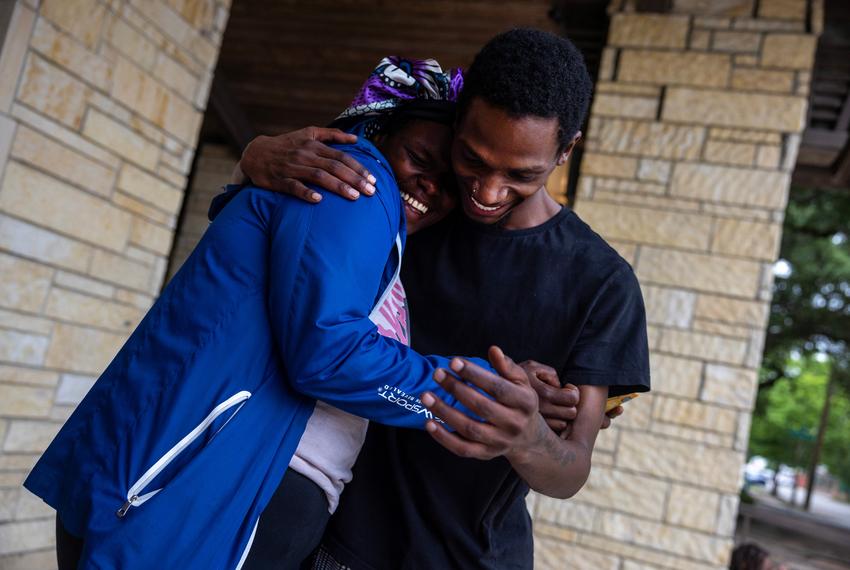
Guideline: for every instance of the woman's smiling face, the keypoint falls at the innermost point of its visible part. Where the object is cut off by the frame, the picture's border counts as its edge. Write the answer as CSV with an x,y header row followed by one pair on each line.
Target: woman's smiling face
x,y
419,152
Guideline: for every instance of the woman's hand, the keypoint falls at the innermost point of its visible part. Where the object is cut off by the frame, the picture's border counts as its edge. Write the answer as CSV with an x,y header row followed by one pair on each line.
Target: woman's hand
x,y
557,404
288,162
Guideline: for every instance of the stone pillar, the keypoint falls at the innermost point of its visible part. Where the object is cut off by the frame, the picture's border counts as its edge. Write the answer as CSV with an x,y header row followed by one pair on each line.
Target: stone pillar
x,y
693,136
100,106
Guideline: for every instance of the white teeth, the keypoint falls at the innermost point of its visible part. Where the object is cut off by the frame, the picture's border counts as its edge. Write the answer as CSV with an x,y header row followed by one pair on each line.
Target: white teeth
x,y
416,204
482,206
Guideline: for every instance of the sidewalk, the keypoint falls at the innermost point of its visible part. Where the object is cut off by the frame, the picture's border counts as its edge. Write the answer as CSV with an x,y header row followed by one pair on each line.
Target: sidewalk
x,y
801,540
823,506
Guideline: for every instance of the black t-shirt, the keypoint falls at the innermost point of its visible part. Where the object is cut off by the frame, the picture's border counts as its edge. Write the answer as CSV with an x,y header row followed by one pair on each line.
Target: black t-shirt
x,y
557,294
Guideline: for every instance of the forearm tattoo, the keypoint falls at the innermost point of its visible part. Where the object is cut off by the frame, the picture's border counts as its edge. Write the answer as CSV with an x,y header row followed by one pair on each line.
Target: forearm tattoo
x,y
554,446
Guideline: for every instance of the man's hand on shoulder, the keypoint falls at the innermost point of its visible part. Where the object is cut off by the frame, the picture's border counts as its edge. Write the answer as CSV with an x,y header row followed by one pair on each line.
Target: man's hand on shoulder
x,y
288,162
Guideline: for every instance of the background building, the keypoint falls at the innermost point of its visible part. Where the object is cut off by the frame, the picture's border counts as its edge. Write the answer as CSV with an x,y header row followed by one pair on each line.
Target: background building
x,y
106,119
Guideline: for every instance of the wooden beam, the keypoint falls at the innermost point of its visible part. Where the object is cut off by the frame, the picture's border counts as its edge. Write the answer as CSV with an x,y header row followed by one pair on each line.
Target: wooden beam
x,y
841,178
658,6
810,177
827,138
843,122
835,178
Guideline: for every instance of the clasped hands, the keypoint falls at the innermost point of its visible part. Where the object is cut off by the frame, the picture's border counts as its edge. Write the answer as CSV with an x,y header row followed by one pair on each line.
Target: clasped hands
x,y
525,398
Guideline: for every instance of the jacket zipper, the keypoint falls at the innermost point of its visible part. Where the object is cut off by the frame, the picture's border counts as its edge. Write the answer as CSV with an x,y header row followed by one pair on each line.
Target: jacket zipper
x,y
134,496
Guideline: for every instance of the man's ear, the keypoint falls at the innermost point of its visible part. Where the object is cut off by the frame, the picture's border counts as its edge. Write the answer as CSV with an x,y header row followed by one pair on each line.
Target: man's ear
x,y
565,155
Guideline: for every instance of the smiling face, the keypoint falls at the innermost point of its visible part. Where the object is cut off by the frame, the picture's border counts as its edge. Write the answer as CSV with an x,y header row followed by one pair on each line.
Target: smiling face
x,y
502,163
420,156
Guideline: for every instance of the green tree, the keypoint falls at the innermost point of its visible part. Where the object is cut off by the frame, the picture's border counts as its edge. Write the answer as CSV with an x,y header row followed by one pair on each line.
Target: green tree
x,y
810,311
810,314
787,416
836,450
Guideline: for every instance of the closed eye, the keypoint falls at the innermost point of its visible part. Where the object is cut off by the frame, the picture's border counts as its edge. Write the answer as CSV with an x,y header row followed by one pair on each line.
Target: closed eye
x,y
472,160
417,159
519,177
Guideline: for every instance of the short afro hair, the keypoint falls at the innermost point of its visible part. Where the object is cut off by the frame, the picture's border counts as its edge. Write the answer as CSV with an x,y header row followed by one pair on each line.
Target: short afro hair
x,y
528,72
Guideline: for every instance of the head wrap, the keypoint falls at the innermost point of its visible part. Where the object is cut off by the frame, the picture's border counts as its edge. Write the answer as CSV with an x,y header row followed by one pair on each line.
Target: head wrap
x,y
400,87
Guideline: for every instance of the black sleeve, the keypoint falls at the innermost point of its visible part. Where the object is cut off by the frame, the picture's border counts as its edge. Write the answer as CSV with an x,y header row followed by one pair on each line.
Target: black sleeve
x,y
612,348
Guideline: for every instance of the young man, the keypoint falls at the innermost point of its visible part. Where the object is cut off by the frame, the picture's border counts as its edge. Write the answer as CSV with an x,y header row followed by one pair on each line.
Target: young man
x,y
513,269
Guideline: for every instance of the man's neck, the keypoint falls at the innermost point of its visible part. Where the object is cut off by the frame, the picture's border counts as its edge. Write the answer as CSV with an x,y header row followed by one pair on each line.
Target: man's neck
x,y
534,211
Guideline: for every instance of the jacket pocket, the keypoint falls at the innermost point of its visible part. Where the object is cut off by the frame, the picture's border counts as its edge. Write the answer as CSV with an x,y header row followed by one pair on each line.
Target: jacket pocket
x,y
138,493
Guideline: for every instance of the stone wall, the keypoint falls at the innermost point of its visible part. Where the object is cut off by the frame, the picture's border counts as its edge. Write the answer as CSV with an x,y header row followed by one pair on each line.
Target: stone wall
x,y
693,136
100,106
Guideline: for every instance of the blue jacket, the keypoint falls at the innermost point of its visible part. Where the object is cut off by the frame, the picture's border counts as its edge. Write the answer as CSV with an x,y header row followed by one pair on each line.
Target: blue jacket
x,y
175,451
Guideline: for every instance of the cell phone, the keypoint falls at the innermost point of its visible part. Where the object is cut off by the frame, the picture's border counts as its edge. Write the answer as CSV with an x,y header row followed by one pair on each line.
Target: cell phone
x,y
615,401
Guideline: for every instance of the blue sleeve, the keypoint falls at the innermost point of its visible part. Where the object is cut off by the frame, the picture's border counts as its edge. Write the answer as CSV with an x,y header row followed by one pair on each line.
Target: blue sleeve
x,y
324,280
221,200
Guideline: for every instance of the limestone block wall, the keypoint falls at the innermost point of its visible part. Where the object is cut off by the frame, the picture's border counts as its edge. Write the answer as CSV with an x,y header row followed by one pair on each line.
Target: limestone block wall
x,y
693,135
100,106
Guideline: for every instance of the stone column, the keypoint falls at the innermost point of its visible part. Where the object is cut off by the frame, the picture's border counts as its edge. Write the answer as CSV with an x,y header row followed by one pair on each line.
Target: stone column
x,y
100,106
693,136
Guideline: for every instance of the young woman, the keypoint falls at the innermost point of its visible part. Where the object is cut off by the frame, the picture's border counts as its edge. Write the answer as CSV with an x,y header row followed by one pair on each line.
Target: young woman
x,y
186,439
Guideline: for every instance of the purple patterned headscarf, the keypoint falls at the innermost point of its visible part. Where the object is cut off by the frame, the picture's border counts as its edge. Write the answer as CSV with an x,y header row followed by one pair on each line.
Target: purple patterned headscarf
x,y
404,83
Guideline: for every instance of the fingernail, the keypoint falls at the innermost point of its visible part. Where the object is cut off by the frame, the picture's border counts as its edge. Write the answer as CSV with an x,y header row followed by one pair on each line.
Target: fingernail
x,y
372,179
430,427
439,375
369,189
316,197
428,400
352,193
457,364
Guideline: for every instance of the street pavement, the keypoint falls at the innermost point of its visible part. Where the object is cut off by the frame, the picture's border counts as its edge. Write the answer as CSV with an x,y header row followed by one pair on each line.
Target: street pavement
x,y
815,540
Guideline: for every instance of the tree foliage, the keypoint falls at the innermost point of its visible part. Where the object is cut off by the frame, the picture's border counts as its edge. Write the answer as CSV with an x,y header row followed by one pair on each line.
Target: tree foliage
x,y
810,315
810,311
787,419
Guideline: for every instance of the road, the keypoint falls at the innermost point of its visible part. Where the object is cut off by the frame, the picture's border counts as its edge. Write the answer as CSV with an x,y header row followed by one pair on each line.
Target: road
x,y
823,506
816,540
